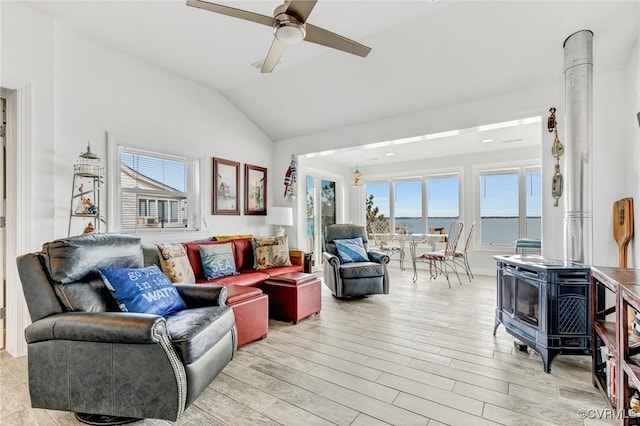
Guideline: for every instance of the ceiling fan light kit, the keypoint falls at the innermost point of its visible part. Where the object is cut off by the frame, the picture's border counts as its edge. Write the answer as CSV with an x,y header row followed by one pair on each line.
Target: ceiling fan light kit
x,y
289,32
289,24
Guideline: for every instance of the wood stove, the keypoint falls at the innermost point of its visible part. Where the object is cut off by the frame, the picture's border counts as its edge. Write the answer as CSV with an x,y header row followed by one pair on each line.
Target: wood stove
x,y
545,304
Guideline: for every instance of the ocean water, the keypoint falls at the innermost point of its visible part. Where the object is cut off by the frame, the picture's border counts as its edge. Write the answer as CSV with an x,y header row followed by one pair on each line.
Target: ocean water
x,y
492,230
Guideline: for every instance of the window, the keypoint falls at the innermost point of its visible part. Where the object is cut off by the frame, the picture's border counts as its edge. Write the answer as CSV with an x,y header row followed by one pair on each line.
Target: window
x,y
443,202
378,207
409,210
408,205
533,201
155,191
510,205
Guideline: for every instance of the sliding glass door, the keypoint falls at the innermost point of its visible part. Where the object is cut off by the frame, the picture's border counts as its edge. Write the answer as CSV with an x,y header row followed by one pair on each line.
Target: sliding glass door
x,y
321,212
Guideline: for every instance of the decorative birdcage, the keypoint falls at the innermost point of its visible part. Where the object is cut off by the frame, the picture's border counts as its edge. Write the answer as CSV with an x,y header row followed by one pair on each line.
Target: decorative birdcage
x,y
89,164
88,178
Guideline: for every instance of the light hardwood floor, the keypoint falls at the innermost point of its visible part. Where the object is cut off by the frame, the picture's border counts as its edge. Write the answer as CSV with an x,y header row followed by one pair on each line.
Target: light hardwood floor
x,y
424,354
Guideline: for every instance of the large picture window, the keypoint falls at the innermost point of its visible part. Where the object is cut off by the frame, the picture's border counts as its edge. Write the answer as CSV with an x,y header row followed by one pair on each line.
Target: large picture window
x,y
408,205
155,191
510,205
400,202
533,201
443,202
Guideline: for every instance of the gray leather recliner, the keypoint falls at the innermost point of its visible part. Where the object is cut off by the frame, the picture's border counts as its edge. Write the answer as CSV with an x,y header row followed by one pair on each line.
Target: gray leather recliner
x,y
355,279
87,356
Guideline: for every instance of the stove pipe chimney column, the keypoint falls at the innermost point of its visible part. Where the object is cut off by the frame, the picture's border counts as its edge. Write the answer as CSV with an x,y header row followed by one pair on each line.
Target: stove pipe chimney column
x,y
578,81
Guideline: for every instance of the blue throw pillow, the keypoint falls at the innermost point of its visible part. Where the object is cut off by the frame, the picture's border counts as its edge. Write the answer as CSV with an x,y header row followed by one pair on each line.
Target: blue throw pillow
x,y
217,261
351,250
144,290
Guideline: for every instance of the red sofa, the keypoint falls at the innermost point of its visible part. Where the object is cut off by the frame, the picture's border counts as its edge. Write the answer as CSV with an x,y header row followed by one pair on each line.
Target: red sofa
x,y
243,256
250,306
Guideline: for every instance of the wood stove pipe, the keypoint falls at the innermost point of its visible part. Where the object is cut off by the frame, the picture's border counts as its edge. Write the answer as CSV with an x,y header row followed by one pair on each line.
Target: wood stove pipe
x,y
578,217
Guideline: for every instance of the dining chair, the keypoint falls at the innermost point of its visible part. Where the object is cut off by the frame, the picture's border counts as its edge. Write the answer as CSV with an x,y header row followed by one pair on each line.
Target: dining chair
x,y
383,240
461,256
442,262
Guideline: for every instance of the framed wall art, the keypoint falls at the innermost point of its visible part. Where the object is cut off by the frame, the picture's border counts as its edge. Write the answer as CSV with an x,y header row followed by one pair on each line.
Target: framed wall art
x,y
226,186
255,190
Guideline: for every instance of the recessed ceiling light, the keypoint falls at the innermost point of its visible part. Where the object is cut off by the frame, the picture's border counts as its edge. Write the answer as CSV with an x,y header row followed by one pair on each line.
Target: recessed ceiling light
x,y
487,140
512,123
390,154
496,126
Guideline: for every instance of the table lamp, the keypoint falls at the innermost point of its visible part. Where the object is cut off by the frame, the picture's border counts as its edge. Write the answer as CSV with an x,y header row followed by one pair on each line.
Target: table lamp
x,y
280,216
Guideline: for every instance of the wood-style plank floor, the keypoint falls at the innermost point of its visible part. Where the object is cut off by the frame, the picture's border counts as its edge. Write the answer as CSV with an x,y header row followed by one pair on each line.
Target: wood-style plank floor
x,y
422,355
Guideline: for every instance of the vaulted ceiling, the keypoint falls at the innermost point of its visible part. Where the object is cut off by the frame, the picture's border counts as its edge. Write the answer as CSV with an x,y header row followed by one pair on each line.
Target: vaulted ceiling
x,y
425,54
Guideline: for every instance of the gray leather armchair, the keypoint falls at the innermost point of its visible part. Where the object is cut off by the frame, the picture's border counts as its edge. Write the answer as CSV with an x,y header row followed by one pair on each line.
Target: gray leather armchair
x,y
87,356
355,279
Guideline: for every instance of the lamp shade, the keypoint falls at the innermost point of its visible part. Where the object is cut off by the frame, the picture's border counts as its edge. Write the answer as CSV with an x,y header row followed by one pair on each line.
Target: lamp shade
x,y
280,216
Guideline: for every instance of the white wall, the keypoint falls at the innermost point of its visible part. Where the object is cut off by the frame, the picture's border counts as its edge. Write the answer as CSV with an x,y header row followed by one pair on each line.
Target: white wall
x,y
79,89
26,58
611,148
26,61
100,89
632,128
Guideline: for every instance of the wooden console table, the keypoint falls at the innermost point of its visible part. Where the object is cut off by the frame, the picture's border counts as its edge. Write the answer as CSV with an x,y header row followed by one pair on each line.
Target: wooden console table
x,y
614,292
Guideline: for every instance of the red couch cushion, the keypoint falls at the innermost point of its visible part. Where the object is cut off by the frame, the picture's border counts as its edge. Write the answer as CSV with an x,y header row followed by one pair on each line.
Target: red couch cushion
x,y
244,278
283,269
236,294
243,253
193,253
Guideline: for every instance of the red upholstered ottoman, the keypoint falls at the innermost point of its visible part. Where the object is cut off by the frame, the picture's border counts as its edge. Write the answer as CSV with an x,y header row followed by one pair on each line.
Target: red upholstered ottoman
x,y
251,309
293,296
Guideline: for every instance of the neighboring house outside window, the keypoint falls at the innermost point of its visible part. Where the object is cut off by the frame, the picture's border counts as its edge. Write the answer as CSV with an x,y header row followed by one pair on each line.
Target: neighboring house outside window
x,y
154,191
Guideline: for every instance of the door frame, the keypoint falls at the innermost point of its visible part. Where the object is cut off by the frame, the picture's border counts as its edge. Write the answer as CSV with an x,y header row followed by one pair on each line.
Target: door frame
x,y
18,211
319,175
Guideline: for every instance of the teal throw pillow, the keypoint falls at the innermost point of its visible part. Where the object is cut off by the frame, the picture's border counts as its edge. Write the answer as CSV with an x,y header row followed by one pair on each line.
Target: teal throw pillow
x,y
143,290
351,250
217,261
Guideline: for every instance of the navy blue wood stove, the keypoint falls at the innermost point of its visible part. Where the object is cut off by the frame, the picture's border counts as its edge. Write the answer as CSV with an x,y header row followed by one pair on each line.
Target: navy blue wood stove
x,y
545,304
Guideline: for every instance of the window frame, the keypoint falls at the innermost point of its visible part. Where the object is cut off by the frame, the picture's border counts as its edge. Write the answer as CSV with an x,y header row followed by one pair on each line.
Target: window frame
x,y
115,192
424,177
516,167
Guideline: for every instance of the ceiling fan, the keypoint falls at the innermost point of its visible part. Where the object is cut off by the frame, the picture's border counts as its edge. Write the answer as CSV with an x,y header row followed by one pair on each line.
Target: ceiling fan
x,y
290,26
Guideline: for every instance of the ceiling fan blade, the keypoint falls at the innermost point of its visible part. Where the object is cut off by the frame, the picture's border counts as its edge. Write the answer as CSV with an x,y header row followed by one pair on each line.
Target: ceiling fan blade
x,y
327,38
301,9
232,11
275,52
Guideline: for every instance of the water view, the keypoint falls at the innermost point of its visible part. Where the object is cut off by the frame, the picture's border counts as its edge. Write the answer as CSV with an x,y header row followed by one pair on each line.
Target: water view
x,y
492,230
